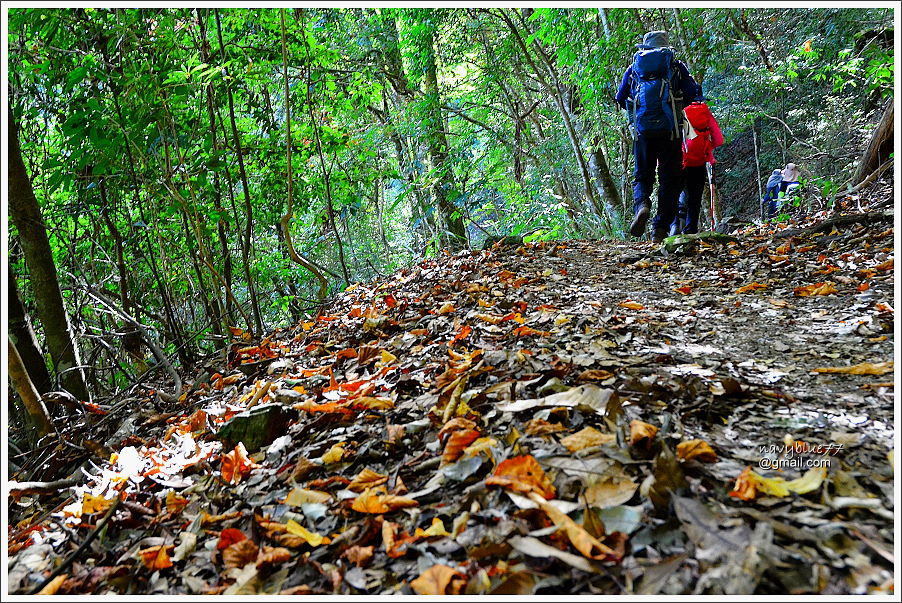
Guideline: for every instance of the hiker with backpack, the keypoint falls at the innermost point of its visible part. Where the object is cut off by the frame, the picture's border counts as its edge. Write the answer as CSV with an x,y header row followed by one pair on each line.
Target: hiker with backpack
x,y
653,91
772,193
701,136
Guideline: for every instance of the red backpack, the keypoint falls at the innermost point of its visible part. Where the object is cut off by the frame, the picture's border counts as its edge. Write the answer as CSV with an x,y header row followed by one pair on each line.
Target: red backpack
x,y
697,149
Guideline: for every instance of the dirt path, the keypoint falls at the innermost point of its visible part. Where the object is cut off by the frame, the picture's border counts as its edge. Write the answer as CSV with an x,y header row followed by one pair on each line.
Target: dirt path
x,y
643,387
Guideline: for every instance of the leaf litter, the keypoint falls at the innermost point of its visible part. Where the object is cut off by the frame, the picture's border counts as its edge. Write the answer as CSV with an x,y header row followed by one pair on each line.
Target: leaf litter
x,y
561,417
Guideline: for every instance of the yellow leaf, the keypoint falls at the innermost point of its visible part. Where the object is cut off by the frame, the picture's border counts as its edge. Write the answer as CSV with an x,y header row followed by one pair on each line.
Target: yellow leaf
x,y
372,403
446,308
436,529
481,445
301,496
53,585
311,538
94,504
587,438
631,305
641,433
388,357
370,502
864,368
334,454
816,289
749,483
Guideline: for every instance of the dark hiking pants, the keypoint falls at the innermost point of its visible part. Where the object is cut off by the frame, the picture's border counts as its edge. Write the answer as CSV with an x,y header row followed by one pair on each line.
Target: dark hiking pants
x,y
694,180
666,155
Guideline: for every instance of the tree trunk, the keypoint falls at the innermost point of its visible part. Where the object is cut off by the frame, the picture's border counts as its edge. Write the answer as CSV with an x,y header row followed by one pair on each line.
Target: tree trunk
x,y
438,146
22,336
26,215
880,146
249,224
27,392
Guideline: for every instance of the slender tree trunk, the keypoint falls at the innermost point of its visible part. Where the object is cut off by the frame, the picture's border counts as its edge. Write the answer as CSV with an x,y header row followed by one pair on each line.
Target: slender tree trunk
x,y
879,147
22,336
34,406
26,215
743,26
249,225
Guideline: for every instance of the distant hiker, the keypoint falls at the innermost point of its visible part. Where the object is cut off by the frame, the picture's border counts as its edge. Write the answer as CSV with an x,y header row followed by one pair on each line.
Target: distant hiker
x,y
790,176
772,192
701,136
652,91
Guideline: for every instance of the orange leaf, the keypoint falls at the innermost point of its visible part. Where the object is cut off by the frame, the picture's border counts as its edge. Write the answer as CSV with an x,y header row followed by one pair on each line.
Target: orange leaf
x,y
684,290
581,540
462,334
745,487
455,424
864,368
236,464
370,502
524,331
175,503
784,248
359,555
197,421
156,557
522,474
864,286
390,300
54,585
816,289
228,537
696,449
240,554
367,479
537,426
751,287
446,308
631,305
887,265
346,353
642,434
437,580
456,444
587,438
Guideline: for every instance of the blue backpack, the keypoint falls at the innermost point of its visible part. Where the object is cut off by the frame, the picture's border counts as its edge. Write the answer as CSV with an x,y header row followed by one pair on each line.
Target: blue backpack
x,y
654,79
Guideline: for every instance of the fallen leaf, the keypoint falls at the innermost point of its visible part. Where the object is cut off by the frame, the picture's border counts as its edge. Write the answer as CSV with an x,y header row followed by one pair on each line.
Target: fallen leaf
x,y
456,444
699,450
370,502
311,538
536,427
446,308
334,454
522,474
587,438
367,478
439,580
864,368
53,585
524,331
581,540
156,557
816,289
174,503
436,529
302,496
887,265
359,555
594,375
751,287
642,434
228,537
749,484
94,504
631,305
240,554
684,290
236,464
271,555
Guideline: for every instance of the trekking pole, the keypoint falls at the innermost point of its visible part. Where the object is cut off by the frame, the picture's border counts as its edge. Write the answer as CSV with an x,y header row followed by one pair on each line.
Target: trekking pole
x,y
710,169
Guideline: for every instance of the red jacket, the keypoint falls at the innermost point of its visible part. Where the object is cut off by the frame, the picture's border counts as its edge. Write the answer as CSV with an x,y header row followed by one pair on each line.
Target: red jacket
x,y
704,123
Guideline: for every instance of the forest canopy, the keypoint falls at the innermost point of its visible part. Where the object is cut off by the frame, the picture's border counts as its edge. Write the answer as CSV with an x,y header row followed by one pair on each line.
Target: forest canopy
x,y
201,170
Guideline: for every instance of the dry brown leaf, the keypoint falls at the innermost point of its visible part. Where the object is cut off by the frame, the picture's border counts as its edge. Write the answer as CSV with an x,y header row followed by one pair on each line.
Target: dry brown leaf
x,y
240,554
522,474
301,496
594,375
439,580
864,368
536,426
696,449
175,503
272,555
642,434
359,555
366,479
581,540
586,438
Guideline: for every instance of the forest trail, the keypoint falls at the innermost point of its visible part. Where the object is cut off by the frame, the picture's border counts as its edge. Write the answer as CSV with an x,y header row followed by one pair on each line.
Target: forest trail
x,y
439,409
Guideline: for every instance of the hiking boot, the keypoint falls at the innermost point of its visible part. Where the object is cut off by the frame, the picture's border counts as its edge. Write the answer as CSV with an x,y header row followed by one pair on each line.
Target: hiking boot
x,y
658,237
637,228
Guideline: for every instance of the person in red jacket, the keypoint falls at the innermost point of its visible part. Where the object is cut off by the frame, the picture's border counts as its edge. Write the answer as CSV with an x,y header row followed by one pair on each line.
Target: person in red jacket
x,y
698,150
